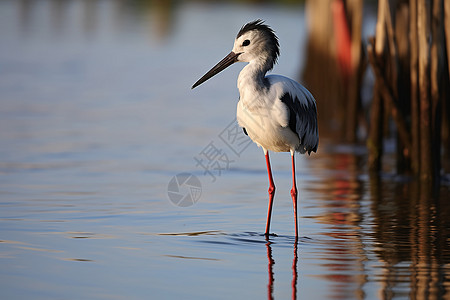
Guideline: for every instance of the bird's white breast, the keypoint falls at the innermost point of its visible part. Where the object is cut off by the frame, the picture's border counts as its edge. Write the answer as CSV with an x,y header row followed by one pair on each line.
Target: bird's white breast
x,y
262,112
266,125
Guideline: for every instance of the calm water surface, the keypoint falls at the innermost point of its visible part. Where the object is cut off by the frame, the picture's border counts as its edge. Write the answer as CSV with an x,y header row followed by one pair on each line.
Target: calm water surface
x,y
97,117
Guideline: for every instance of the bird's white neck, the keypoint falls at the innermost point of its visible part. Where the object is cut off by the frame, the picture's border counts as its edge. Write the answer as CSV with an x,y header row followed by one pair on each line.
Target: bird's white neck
x,y
251,82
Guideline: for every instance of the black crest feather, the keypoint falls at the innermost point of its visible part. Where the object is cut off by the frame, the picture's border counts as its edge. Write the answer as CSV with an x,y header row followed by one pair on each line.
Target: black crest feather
x,y
260,26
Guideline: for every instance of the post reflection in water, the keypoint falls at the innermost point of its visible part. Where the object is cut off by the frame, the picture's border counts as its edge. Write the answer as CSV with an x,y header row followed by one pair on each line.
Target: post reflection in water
x,y
270,264
343,256
380,236
412,228
384,230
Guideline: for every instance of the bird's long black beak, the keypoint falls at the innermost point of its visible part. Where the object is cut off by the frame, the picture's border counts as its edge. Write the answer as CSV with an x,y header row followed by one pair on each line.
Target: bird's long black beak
x,y
222,65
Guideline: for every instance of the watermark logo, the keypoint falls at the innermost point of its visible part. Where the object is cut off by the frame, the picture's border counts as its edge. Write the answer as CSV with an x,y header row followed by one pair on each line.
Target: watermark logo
x,y
214,159
184,189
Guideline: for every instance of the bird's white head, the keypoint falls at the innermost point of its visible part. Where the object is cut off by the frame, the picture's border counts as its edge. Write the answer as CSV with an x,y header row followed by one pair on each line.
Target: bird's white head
x,y
255,43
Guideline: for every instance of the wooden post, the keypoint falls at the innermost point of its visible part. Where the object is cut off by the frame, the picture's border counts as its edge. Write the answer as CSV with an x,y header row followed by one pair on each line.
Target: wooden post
x,y
447,30
376,49
375,138
390,103
446,89
320,73
355,11
402,78
435,72
426,171
415,132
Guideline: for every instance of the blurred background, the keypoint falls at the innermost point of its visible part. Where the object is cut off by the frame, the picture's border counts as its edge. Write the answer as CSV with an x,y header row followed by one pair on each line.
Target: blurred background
x,y
97,117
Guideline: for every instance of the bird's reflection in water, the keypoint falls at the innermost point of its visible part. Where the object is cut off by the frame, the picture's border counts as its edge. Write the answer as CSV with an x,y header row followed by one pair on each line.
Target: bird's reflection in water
x,y
270,270
270,264
294,270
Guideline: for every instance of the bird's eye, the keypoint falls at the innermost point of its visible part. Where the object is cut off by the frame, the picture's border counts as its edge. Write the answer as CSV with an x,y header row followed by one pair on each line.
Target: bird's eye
x,y
246,43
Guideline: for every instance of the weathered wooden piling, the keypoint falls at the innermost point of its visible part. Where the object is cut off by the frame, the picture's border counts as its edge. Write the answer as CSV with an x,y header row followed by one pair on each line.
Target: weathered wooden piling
x,y
419,124
409,58
335,65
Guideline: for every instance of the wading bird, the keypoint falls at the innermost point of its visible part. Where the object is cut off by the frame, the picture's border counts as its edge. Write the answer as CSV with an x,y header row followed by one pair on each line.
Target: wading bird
x,y
276,112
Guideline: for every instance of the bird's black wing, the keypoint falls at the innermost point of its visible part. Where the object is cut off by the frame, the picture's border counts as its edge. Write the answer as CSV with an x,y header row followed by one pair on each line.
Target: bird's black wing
x,y
303,118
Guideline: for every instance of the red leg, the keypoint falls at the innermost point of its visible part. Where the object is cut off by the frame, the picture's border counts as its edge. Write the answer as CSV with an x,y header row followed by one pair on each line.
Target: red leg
x,y
271,193
294,194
